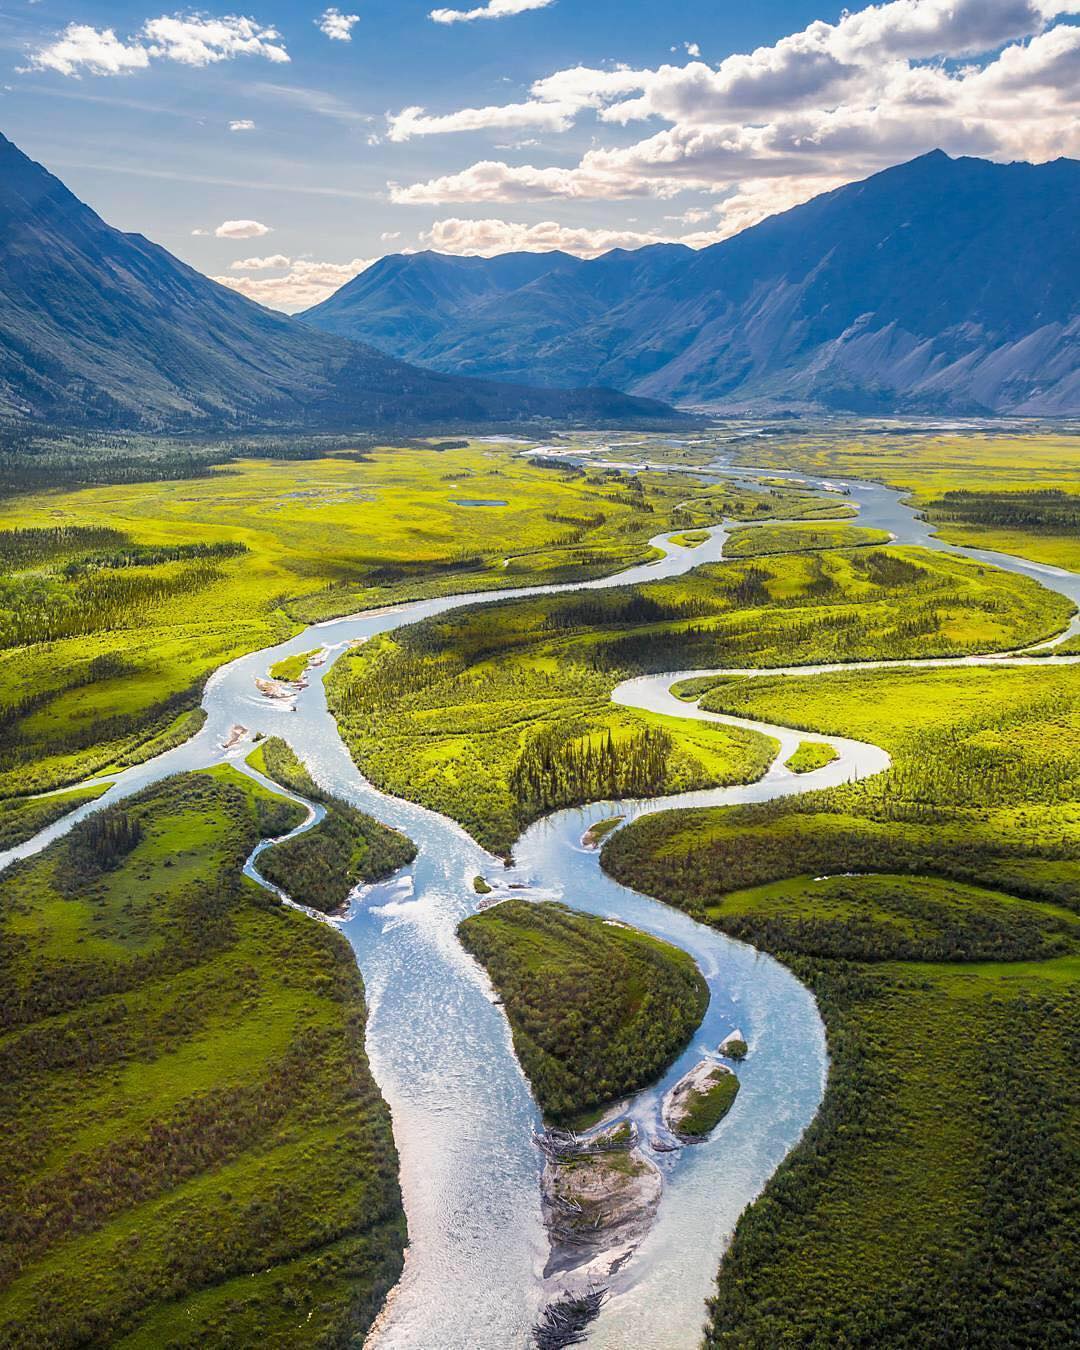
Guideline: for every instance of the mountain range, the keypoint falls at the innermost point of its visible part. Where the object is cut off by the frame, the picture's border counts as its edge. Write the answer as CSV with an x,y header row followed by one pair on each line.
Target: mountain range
x,y
103,328
938,286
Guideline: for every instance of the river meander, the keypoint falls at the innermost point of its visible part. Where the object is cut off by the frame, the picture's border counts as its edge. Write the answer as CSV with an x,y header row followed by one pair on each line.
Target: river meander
x,y
440,1048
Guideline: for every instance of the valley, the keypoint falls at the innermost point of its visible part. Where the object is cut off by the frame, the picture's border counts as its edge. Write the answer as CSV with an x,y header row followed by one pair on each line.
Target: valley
x,y
521,714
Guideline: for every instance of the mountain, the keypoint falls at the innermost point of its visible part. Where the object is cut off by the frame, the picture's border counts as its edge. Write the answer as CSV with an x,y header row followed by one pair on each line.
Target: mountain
x,y
103,328
939,286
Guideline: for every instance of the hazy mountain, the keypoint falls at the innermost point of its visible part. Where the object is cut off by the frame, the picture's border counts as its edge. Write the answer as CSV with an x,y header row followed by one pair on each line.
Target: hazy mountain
x,y
940,285
97,326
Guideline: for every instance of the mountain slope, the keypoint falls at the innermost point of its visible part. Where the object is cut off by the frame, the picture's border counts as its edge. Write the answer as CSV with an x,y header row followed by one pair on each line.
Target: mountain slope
x,y
106,328
938,285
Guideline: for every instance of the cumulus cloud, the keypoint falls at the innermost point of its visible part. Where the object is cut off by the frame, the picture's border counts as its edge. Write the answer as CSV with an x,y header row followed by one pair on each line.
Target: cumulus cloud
x,y
274,260
508,116
241,229
492,236
191,40
242,124
494,9
302,283
822,106
336,25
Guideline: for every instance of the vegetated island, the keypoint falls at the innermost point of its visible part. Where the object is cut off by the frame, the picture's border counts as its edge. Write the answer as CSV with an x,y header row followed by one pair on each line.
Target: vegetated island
x,y
347,848
597,1010
811,755
195,1152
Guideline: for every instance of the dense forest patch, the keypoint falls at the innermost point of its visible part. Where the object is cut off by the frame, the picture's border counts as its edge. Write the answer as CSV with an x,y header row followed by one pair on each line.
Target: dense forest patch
x,y
596,1009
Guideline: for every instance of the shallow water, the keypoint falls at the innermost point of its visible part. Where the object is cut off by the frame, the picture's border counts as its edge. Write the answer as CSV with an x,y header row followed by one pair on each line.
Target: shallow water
x,y
440,1049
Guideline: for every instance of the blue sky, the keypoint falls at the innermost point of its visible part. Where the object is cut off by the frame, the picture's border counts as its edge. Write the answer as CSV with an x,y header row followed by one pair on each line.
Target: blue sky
x,y
574,123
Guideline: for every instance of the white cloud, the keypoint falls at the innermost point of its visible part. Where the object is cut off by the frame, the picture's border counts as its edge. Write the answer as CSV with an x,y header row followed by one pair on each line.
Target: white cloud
x,y
508,116
197,41
494,9
191,40
336,25
822,106
388,236
270,263
489,237
304,282
241,229
98,51
242,124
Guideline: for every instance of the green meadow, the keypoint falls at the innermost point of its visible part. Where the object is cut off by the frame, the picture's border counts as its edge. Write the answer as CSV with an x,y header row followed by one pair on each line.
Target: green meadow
x,y
495,715
195,1151
117,601
933,910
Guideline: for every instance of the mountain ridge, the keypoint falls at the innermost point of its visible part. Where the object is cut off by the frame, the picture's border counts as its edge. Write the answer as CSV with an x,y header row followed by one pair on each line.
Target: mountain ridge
x,y
940,286
107,329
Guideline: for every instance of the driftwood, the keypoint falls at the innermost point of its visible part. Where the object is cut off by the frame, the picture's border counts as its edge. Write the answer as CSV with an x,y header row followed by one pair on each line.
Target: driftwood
x,y
564,1322
565,1145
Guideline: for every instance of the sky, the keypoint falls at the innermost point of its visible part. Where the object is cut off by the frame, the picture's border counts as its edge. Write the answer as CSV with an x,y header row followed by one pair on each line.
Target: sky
x,y
281,147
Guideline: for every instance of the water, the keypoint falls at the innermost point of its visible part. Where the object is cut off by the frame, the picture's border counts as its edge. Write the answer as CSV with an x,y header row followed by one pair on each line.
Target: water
x,y
440,1049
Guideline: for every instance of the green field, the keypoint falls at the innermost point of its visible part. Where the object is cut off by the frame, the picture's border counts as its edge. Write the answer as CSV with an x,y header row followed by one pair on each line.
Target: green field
x,y
597,1010
759,541
195,1151
321,867
117,602
933,912
1015,493
497,714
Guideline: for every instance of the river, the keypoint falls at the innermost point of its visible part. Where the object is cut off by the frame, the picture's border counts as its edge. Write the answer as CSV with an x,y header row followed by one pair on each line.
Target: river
x,y
440,1048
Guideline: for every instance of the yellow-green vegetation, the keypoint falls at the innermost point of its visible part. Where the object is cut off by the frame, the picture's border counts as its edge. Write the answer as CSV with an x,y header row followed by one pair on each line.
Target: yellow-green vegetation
x,y
195,1151
23,817
758,541
595,834
321,867
706,1106
930,1202
596,1009
811,755
117,602
292,667
499,713
691,538
1014,493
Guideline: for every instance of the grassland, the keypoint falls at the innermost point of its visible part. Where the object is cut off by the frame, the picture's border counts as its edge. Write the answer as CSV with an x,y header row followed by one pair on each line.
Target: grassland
x,y
347,848
596,1010
931,1200
1015,493
763,540
195,1151
497,714
23,817
117,601
811,755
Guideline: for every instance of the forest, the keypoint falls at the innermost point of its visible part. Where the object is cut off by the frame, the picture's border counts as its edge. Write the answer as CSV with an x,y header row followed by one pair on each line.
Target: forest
x,y
597,1010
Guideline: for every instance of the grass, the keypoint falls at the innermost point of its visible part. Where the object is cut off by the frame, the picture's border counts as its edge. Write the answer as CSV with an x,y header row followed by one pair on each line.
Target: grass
x,y
497,714
23,817
690,538
811,755
1014,482
707,1107
118,601
195,1151
292,667
597,1010
761,541
347,848
933,912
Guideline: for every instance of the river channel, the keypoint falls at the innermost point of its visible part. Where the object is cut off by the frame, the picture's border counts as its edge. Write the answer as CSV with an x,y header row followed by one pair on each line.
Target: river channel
x,y
440,1047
